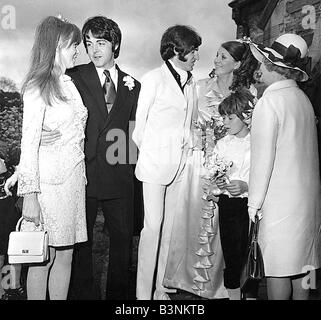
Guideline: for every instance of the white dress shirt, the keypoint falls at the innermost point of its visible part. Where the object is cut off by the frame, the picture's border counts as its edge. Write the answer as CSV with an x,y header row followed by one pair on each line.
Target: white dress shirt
x,y
113,74
235,149
182,73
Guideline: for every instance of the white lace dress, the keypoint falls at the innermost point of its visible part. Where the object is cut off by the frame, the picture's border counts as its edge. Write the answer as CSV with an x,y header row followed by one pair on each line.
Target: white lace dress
x,y
56,172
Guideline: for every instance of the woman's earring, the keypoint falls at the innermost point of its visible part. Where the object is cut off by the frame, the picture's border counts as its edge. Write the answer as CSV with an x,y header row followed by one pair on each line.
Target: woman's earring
x,y
257,75
212,73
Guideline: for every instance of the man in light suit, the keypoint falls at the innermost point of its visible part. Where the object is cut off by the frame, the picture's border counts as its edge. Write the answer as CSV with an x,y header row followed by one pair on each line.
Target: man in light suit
x,y
162,133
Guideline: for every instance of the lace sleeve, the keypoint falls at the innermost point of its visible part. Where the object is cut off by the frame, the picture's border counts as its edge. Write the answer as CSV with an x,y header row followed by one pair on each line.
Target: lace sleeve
x,y
28,170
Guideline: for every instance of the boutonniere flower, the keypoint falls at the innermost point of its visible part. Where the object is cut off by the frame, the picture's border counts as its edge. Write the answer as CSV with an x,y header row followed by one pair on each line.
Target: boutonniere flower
x,y
129,82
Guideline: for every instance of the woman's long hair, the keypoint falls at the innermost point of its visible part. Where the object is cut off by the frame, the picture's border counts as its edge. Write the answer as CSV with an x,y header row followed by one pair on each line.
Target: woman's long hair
x,y
244,75
44,71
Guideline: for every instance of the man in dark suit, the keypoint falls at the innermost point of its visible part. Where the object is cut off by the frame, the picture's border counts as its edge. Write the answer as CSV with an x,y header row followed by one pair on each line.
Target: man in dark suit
x,y
110,96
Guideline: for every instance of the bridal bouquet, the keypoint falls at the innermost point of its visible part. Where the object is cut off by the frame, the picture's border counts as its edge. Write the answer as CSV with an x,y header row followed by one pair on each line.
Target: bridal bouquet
x,y
217,166
211,131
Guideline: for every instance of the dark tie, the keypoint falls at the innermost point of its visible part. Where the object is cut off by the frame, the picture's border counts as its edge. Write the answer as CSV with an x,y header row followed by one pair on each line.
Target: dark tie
x,y
109,91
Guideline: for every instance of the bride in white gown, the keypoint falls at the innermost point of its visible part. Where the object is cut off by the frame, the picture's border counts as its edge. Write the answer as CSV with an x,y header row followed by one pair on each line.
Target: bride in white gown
x,y
195,262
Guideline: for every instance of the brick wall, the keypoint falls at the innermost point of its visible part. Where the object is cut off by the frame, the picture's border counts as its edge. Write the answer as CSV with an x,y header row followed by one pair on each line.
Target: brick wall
x,y
298,16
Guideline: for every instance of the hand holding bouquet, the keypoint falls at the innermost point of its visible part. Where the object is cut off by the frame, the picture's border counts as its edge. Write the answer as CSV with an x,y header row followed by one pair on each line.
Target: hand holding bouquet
x,y
217,166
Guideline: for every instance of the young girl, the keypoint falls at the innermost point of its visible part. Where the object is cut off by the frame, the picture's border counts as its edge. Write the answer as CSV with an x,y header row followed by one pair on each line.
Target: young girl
x,y
236,111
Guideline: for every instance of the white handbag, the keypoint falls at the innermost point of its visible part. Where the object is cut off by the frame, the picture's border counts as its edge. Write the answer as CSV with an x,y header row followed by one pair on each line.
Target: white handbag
x,y
27,246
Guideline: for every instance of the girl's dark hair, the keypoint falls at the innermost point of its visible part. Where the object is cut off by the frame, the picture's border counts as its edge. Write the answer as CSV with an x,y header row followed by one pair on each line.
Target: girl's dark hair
x,y
51,33
244,75
183,39
103,28
238,102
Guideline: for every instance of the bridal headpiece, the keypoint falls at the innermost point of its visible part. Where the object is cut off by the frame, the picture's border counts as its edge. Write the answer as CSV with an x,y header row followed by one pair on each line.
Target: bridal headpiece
x,y
60,17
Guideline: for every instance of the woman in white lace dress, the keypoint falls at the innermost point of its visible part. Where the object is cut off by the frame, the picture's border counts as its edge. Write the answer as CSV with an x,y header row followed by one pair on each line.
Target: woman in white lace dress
x,y
51,179
195,261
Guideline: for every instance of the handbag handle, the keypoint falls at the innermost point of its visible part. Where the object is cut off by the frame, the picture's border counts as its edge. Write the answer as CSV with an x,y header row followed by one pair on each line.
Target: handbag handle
x,y
254,236
18,225
256,228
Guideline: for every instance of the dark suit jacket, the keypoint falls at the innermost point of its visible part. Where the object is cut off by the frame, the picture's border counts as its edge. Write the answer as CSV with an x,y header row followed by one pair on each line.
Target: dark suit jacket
x,y
105,180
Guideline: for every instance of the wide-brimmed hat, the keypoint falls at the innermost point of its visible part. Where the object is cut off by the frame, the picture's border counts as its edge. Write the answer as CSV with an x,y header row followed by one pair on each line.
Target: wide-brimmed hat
x,y
288,51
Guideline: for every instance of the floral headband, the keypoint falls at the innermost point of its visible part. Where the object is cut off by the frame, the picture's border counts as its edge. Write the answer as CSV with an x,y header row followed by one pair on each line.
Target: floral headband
x,y
247,115
60,17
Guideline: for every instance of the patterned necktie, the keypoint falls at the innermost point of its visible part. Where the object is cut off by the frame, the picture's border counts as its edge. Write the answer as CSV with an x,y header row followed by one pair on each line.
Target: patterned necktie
x,y
109,91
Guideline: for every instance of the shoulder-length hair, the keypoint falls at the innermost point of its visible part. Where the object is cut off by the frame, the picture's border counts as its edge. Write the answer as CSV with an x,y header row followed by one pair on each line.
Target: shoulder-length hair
x,y
103,28
44,72
183,39
244,75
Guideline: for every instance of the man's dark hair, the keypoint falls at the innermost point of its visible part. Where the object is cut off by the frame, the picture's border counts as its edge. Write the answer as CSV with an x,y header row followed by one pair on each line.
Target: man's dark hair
x,y
183,39
103,28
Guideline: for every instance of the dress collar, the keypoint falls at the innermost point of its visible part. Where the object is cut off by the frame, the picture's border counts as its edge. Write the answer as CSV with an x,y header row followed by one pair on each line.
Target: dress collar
x,y
212,89
287,83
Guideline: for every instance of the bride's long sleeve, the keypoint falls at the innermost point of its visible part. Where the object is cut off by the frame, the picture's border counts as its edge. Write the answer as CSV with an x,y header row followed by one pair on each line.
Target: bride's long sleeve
x,y
28,170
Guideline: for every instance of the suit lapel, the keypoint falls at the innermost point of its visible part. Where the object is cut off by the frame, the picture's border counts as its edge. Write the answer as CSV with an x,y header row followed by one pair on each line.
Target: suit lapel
x,y
92,81
172,83
121,98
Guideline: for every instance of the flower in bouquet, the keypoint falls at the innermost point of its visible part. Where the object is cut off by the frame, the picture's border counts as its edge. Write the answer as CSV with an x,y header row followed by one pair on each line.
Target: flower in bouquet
x,y
211,131
217,166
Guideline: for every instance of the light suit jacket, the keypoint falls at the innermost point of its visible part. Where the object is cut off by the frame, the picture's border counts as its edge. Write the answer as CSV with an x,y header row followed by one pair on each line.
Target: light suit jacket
x,y
163,123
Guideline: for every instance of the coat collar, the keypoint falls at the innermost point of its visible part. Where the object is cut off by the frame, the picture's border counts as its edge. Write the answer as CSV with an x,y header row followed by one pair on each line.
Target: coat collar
x,y
280,85
170,80
91,79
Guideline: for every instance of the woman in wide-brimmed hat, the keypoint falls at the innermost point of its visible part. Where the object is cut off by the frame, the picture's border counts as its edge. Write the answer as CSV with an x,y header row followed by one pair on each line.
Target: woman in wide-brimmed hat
x,y
284,186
